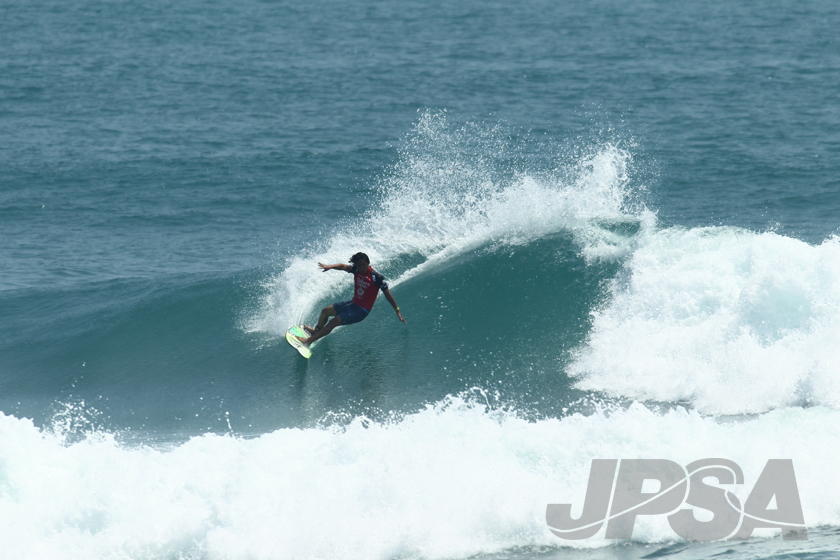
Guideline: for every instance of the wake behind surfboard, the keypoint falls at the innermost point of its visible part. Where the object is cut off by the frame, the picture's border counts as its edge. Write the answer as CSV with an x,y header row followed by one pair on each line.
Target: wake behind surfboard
x,y
291,338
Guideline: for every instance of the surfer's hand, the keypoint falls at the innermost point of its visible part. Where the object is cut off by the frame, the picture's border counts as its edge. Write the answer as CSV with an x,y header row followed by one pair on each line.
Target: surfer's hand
x,y
401,317
324,267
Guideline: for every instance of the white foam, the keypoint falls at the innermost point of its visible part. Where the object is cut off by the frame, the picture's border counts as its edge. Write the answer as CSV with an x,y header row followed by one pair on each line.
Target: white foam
x,y
448,482
729,320
445,198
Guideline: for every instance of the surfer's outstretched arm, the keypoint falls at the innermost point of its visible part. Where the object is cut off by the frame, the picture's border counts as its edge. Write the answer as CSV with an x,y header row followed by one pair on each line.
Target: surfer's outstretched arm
x,y
338,266
393,303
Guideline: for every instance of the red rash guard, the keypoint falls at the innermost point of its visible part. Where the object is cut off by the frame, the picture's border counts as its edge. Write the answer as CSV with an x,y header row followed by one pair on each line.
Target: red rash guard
x,y
367,287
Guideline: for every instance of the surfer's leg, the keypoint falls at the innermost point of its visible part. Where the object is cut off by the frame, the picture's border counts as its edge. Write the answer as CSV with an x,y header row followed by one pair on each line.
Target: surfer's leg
x,y
327,329
326,313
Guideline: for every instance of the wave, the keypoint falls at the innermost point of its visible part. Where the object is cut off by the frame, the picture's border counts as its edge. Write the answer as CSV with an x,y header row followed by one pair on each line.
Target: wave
x,y
728,320
544,281
721,319
454,480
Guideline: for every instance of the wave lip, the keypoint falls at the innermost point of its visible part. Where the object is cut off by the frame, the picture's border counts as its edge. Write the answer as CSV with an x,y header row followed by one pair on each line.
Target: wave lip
x,y
729,320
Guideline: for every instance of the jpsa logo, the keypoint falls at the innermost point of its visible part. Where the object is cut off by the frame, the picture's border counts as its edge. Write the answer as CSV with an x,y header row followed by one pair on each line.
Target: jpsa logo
x,y
773,503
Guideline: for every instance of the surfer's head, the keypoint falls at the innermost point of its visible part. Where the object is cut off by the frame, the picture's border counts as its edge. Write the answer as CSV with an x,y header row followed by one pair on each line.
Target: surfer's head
x,y
361,261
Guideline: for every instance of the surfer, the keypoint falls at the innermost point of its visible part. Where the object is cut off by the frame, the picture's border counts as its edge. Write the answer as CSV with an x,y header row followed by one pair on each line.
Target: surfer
x,y
367,282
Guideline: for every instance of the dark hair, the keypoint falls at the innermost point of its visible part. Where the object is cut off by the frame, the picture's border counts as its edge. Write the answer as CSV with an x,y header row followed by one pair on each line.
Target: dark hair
x,y
358,257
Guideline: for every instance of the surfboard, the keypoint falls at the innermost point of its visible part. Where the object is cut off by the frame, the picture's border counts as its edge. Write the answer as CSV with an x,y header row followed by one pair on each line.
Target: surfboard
x,y
291,338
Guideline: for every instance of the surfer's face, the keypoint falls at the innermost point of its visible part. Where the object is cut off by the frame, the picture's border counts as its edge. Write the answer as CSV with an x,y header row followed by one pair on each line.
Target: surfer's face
x,y
362,265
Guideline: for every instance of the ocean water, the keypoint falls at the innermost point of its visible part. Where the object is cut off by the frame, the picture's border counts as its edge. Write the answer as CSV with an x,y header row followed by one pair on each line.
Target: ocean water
x,y
611,226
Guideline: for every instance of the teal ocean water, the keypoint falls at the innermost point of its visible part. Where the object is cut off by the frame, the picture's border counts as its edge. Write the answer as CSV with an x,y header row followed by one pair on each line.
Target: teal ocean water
x,y
612,228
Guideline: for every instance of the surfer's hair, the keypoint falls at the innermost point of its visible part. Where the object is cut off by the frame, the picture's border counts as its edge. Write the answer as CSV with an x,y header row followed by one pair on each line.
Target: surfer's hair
x,y
358,257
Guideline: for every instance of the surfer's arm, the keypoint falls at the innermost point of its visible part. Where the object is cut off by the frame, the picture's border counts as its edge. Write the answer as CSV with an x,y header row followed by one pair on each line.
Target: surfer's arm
x,y
393,303
339,266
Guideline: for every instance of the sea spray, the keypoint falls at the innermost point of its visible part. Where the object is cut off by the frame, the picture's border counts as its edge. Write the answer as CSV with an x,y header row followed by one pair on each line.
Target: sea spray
x,y
456,190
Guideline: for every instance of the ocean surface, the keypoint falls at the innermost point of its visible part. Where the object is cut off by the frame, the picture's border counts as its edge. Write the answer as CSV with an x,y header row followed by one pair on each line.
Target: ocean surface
x,y
611,226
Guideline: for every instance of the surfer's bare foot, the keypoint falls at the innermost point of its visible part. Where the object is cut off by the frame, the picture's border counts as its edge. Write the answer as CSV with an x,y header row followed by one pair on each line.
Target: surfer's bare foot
x,y
304,340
